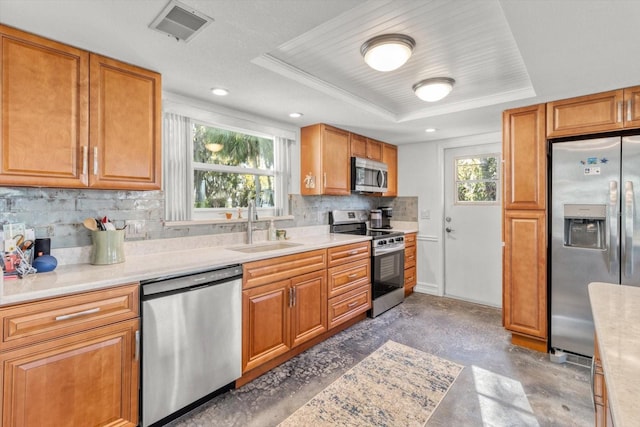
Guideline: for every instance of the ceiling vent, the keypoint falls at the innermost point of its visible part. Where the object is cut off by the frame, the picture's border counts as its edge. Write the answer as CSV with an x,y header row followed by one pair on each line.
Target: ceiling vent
x,y
180,21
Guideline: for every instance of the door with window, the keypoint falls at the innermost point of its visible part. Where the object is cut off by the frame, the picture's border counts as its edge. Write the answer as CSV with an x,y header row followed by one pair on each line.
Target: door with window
x,y
472,233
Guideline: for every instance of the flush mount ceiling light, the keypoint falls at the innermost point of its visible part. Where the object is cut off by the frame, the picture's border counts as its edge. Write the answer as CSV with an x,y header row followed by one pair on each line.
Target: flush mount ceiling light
x,y
388,51
219,91
295,115
434,89
429,130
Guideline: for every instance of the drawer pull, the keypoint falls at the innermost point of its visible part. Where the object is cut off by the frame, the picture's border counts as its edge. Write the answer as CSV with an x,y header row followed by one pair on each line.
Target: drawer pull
x,y
353,275
353,252
353,304
80,313
409,278
411,257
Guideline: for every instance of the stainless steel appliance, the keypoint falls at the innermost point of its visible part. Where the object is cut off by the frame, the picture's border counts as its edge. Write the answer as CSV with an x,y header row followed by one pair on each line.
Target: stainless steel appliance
x,y
387,214
368,176
387,258
191,340
595,232
375,220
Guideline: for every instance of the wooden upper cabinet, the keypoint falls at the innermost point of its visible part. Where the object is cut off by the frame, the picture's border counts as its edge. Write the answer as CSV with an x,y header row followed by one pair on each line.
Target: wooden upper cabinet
x,y
525,273
324,161
632,107
365,148
525,158
585,114
74,119
125,116
44,99
390,157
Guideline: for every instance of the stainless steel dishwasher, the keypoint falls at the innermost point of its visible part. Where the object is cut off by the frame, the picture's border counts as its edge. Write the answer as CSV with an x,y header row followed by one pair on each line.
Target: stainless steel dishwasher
x,y
191,339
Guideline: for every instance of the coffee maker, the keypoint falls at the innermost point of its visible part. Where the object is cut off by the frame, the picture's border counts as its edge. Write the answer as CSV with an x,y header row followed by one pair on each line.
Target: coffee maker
x,y
387,214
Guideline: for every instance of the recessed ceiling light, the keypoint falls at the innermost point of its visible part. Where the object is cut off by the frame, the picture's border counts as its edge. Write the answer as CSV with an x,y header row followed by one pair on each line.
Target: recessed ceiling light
x,y
219,91
429,130
295,115
387,52
432,90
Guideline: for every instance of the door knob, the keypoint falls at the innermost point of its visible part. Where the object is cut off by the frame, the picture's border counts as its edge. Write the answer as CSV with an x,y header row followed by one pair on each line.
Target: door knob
x,y
448,229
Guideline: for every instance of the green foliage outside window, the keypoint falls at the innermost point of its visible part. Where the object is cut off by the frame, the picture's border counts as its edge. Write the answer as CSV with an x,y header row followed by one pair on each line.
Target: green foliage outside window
x,y
477,179
231,168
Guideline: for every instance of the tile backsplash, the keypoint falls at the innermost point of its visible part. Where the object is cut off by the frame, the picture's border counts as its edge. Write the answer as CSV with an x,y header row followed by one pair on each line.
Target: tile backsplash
x,y
58,213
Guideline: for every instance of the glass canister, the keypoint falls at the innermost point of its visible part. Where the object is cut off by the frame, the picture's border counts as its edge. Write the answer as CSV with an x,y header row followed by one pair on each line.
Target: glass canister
x,y
108,247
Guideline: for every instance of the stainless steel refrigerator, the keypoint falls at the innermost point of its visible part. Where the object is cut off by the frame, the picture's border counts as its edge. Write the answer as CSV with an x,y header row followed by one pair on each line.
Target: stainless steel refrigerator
x,y
595,231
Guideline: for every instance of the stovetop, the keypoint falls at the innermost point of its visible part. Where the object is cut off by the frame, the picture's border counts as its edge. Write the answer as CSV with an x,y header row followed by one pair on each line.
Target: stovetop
x,y
354,222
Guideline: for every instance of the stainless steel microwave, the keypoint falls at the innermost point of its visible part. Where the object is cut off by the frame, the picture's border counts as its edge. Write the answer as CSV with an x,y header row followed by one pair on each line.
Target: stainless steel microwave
x,y
368,176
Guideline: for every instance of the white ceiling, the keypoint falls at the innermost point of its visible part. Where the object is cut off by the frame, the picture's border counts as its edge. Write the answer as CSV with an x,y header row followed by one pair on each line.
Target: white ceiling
x,y
280,56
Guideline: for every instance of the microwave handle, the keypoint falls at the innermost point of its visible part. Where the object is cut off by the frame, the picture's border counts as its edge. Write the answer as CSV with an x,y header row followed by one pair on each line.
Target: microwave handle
x,y
381,179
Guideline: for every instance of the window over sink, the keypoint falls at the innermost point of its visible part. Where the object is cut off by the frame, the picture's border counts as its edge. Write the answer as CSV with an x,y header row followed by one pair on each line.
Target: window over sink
x,y
212,169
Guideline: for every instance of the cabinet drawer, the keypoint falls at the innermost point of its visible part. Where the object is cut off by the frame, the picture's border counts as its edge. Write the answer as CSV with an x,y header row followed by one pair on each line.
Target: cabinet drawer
x,y
285,267
409,256
39,321
410,278
349,276
349,305
410,239
348,253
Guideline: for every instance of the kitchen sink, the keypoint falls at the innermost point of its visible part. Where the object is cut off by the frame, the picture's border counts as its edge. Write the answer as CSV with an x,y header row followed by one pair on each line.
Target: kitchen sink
x,y
264,247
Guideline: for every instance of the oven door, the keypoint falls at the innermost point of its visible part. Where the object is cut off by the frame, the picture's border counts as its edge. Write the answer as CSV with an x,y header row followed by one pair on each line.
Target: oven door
x,y
388,271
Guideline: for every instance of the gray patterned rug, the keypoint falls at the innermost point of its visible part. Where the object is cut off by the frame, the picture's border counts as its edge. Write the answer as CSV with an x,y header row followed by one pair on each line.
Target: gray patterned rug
x,y
395,385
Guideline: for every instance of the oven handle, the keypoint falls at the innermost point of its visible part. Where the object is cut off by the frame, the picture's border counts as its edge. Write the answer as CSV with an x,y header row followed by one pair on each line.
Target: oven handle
x,y
385,251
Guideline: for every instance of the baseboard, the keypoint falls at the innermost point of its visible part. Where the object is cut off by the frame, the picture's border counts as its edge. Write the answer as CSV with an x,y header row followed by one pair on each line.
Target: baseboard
x,y
427,288
529,342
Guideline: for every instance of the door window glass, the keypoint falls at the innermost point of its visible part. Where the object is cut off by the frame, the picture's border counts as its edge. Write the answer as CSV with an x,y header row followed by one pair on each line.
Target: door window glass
x,y
477,179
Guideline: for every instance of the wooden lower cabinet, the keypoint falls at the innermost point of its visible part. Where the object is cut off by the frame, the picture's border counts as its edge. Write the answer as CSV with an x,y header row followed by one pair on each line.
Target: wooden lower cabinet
x,y
72,360
525,278
600,398
282,315
89,378
410,262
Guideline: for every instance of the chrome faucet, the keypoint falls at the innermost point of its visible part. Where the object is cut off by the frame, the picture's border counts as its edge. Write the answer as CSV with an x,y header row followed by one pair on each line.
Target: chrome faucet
x,y
251,216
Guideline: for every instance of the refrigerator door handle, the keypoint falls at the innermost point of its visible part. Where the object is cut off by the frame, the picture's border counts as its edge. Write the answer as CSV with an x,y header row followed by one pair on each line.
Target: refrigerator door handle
x,y
629,215
613,221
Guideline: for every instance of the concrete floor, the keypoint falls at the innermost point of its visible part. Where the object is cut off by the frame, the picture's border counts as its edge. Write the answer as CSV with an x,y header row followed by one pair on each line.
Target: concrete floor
x,y
500,385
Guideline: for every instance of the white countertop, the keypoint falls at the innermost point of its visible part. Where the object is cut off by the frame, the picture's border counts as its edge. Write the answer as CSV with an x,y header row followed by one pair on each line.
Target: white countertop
x,y
616,314
66,279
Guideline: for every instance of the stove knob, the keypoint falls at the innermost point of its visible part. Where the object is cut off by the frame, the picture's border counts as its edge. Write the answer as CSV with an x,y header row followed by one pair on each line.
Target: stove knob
x,y
400,239
382,242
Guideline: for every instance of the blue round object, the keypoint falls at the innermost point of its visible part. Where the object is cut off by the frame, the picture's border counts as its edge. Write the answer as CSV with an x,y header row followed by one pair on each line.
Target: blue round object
x,y
45,263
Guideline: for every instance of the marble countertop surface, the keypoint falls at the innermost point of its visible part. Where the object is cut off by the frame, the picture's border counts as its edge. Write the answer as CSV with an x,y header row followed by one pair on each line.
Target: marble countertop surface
x,y
144,261
616,314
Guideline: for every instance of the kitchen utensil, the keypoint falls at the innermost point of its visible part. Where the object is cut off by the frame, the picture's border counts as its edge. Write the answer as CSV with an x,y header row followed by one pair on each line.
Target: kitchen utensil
x,y
90,223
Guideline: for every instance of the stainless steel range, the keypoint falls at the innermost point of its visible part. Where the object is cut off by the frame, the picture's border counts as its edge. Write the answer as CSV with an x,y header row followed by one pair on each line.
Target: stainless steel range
x,y
387,257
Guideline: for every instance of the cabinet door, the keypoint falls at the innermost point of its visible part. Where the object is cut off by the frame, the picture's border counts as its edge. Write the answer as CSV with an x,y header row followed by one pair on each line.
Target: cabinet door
x,y
632,107
358,145
374,150
90,378
265,323
309,306
336,163
390,157
125,119
525,158
599,112
525,273
44,99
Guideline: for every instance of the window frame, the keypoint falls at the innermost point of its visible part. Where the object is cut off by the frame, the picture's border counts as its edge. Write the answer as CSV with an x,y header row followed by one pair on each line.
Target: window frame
x,y
497,180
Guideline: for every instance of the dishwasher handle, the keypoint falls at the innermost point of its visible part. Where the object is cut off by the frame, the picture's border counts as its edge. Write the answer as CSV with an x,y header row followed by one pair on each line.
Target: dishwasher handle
x,y
183,283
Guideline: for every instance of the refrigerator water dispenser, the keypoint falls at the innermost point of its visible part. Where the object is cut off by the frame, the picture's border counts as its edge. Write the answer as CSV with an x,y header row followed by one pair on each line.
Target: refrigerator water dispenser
x,y
585,226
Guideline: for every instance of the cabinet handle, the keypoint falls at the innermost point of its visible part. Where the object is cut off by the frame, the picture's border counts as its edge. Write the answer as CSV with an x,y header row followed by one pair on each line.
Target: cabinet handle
x,y
353,275
136,354
85,160
352,304
629,107
79,313
294,297
619,112
95,160
353,252
290,297
409,278
325,180
411,257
